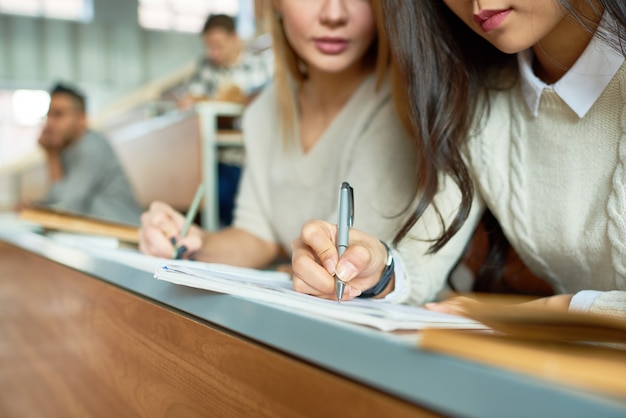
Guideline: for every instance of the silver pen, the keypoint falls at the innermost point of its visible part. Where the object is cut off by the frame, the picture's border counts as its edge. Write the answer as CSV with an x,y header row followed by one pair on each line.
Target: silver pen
x,y
344,223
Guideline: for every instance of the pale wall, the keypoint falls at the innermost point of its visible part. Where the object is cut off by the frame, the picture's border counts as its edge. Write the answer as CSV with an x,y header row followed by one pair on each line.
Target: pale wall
x,y
107,57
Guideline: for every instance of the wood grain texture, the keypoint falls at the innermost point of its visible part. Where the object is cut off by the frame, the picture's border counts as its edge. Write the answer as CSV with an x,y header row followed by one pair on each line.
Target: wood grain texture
x,y
70,222
74,346
592,368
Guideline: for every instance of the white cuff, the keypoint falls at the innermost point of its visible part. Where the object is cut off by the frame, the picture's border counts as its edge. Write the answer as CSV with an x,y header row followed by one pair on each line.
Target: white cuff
x,y
400,290
582,301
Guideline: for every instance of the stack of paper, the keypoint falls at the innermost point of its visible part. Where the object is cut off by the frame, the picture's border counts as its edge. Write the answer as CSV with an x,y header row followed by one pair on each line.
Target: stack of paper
x,y
275,288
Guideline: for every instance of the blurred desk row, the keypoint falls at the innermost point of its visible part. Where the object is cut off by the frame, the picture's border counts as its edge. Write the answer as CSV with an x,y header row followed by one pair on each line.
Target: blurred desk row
x,y
88,336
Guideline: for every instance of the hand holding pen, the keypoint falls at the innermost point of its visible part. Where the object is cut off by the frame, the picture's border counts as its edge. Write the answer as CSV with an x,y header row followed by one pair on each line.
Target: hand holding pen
x,y
178,251
161,232
325,266
316,263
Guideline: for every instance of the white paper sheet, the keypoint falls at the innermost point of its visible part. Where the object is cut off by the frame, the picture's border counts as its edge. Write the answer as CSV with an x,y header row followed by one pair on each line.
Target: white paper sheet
x,y
275,288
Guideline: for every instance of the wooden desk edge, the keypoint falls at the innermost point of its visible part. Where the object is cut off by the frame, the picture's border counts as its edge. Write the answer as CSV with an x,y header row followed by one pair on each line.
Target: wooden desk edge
x,y
403,373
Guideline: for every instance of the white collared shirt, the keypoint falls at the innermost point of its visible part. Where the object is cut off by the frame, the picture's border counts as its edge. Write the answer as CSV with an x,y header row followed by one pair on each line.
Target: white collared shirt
x,y
579,88
582,85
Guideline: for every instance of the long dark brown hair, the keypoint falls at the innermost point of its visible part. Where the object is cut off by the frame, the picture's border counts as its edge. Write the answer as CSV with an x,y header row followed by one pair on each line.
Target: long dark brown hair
x,y
444,74
442,82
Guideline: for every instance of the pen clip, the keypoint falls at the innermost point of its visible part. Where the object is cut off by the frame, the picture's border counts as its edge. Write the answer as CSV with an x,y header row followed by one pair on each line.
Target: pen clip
x,y
351,220
346,185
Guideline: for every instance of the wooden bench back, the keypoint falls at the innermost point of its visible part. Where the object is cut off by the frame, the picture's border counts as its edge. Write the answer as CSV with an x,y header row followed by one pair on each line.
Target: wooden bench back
x,y
162,158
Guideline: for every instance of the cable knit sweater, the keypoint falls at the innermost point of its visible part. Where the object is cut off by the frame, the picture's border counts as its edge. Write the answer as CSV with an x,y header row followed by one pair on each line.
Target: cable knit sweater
x,y
611,304
563,207
557,185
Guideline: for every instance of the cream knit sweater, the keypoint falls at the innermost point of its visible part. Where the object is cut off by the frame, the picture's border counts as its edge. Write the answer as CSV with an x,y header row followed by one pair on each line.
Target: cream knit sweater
x,y
557,185
282,186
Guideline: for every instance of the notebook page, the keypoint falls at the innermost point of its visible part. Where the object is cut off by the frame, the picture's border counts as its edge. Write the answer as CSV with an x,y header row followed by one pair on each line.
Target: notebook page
x,y
276,289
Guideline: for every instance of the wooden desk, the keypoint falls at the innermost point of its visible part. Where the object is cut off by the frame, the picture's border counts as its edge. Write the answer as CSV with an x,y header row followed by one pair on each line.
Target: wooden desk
x,y
161,158
84,336
73,345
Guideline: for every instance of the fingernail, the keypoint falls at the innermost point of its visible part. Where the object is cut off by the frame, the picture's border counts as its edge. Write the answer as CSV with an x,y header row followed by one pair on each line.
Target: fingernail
x,y
346,271
329,265
180,251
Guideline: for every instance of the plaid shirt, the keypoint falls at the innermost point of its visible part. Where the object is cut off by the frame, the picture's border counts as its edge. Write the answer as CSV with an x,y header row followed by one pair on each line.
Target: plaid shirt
x,y
251,73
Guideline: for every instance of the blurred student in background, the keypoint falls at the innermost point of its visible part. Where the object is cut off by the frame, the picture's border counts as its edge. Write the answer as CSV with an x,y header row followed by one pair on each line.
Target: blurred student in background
x,y
228,71
84,173
328,118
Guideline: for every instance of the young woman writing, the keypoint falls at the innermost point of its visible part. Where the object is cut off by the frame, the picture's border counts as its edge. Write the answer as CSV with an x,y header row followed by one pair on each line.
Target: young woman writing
x,y
522,104
327,118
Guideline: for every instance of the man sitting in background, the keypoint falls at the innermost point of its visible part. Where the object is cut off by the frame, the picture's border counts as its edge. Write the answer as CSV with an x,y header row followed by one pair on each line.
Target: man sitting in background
x,y
84,173
227,71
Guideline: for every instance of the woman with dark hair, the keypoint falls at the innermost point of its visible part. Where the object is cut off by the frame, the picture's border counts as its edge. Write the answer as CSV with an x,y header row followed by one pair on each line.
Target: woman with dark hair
x,y
522,105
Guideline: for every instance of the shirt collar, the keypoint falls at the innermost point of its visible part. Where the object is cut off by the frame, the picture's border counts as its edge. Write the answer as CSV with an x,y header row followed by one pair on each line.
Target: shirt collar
x,y
582,85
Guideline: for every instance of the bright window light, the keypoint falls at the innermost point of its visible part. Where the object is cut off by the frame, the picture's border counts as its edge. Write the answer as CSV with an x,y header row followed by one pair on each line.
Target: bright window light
x,y
182,15
20,7
157,17
187,23
29,106
64,9
79,10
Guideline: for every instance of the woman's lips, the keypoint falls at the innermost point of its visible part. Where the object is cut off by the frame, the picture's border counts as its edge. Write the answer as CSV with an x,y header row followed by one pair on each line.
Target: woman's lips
x,y
491,19
331,46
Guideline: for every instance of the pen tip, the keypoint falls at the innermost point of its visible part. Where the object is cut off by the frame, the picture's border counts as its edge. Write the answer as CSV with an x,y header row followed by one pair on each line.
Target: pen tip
x,y
339,289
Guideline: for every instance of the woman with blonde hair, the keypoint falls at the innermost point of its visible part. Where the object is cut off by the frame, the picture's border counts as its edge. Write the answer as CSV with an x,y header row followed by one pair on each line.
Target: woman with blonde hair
x,y
327,118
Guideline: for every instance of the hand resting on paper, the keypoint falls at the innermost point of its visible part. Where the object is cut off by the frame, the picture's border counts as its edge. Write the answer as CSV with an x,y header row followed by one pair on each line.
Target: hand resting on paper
x,y
315,261
160,231
457,305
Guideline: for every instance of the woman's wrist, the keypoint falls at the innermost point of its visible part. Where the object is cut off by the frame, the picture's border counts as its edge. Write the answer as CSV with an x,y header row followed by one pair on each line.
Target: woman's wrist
x,y
386,281
583,300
